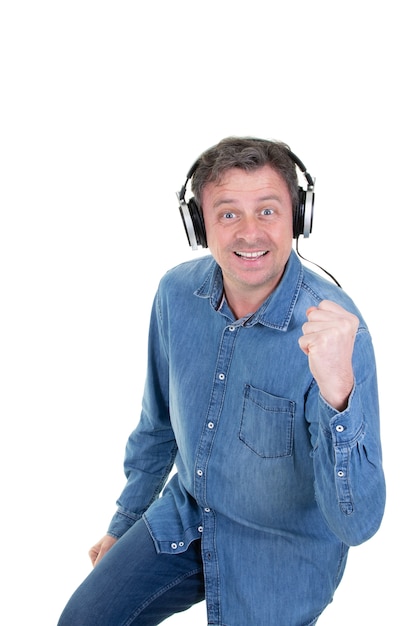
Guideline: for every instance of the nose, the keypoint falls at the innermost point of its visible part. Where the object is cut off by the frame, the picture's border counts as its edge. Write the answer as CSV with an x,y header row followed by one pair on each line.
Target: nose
x,y
249,228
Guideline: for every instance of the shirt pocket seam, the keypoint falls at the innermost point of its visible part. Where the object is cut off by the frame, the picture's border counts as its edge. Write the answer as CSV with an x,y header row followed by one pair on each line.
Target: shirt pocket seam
x,y
267,424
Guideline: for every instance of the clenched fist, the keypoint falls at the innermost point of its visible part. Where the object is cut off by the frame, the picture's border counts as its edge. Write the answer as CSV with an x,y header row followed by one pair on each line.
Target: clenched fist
x,y
328,339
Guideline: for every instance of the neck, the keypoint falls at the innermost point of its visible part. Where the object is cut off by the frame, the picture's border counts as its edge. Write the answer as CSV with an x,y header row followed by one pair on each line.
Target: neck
x,y
244,300
241,306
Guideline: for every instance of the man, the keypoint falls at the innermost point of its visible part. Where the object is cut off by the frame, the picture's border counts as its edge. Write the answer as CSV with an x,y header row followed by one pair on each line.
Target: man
x,y
262,389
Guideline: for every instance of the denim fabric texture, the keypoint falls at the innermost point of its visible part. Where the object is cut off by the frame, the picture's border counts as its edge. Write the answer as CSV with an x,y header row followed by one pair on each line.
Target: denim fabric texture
x,y
275,482
134,586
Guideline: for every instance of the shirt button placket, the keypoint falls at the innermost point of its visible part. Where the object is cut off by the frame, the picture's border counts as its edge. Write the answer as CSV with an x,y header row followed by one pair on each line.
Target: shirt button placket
x,y
202,459
210,565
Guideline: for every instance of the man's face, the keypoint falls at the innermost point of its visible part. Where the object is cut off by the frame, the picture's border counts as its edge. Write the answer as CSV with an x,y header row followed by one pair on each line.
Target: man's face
x,y
249,224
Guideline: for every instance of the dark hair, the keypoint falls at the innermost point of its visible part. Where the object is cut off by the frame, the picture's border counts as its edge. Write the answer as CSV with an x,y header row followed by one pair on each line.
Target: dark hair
x,y
249,154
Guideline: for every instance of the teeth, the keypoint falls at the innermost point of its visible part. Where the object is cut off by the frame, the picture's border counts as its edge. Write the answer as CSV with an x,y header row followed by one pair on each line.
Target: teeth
x,y
251,255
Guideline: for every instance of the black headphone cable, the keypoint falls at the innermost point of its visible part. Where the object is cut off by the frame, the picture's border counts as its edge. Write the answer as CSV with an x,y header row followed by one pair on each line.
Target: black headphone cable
x,y
316,264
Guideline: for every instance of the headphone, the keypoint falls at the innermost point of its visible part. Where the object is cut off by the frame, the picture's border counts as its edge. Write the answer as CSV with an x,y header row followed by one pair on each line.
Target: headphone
x,y
192,215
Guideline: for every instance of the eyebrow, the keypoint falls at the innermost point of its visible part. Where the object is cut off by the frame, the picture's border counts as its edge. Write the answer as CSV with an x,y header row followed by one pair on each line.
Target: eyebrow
x,y
261,199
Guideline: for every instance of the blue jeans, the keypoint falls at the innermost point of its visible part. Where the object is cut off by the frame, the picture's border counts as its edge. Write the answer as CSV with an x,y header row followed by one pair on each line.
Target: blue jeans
x,y
133,585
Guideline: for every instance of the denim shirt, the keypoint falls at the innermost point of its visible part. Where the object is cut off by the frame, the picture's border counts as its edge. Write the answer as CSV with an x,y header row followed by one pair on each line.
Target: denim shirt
x,y
275,482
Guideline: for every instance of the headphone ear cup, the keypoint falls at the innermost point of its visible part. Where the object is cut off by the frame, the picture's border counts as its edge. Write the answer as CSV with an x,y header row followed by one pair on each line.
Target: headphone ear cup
x,y
197,220
298,217
303,214
192,219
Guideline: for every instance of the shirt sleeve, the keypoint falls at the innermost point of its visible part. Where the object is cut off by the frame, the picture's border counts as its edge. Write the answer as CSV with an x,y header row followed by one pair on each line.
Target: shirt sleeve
x,y
347,457
151,448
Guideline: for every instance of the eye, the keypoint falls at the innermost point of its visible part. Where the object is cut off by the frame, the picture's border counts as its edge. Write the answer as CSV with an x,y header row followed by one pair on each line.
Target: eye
x,y
229,215
267,211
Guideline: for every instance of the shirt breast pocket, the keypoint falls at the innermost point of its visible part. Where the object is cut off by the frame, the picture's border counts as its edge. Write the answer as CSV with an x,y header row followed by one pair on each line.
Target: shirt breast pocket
x,y
267,423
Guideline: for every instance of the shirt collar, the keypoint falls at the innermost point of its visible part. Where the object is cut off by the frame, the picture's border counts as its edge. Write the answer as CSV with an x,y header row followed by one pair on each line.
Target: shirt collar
x,y
277,309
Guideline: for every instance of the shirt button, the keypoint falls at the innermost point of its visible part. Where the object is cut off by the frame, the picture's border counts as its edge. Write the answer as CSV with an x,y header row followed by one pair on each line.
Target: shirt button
x,y
340,428
200,529
222,376
207,510
231,328
340,474
174,546
181,544
199,472
210,425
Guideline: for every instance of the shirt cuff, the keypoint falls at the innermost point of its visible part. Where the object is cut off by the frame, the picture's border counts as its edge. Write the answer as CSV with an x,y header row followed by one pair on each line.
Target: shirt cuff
x,y
344,427
120,523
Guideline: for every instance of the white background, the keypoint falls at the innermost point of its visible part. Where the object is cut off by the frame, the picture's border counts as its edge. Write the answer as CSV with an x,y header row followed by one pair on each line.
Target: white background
x,y
104,107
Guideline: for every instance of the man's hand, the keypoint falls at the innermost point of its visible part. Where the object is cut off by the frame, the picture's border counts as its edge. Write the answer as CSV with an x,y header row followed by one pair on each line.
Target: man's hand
x,y
97,552
328,339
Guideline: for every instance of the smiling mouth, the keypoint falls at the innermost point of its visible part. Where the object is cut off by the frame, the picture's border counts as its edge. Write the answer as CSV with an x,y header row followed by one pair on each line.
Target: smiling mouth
x,y
251,255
